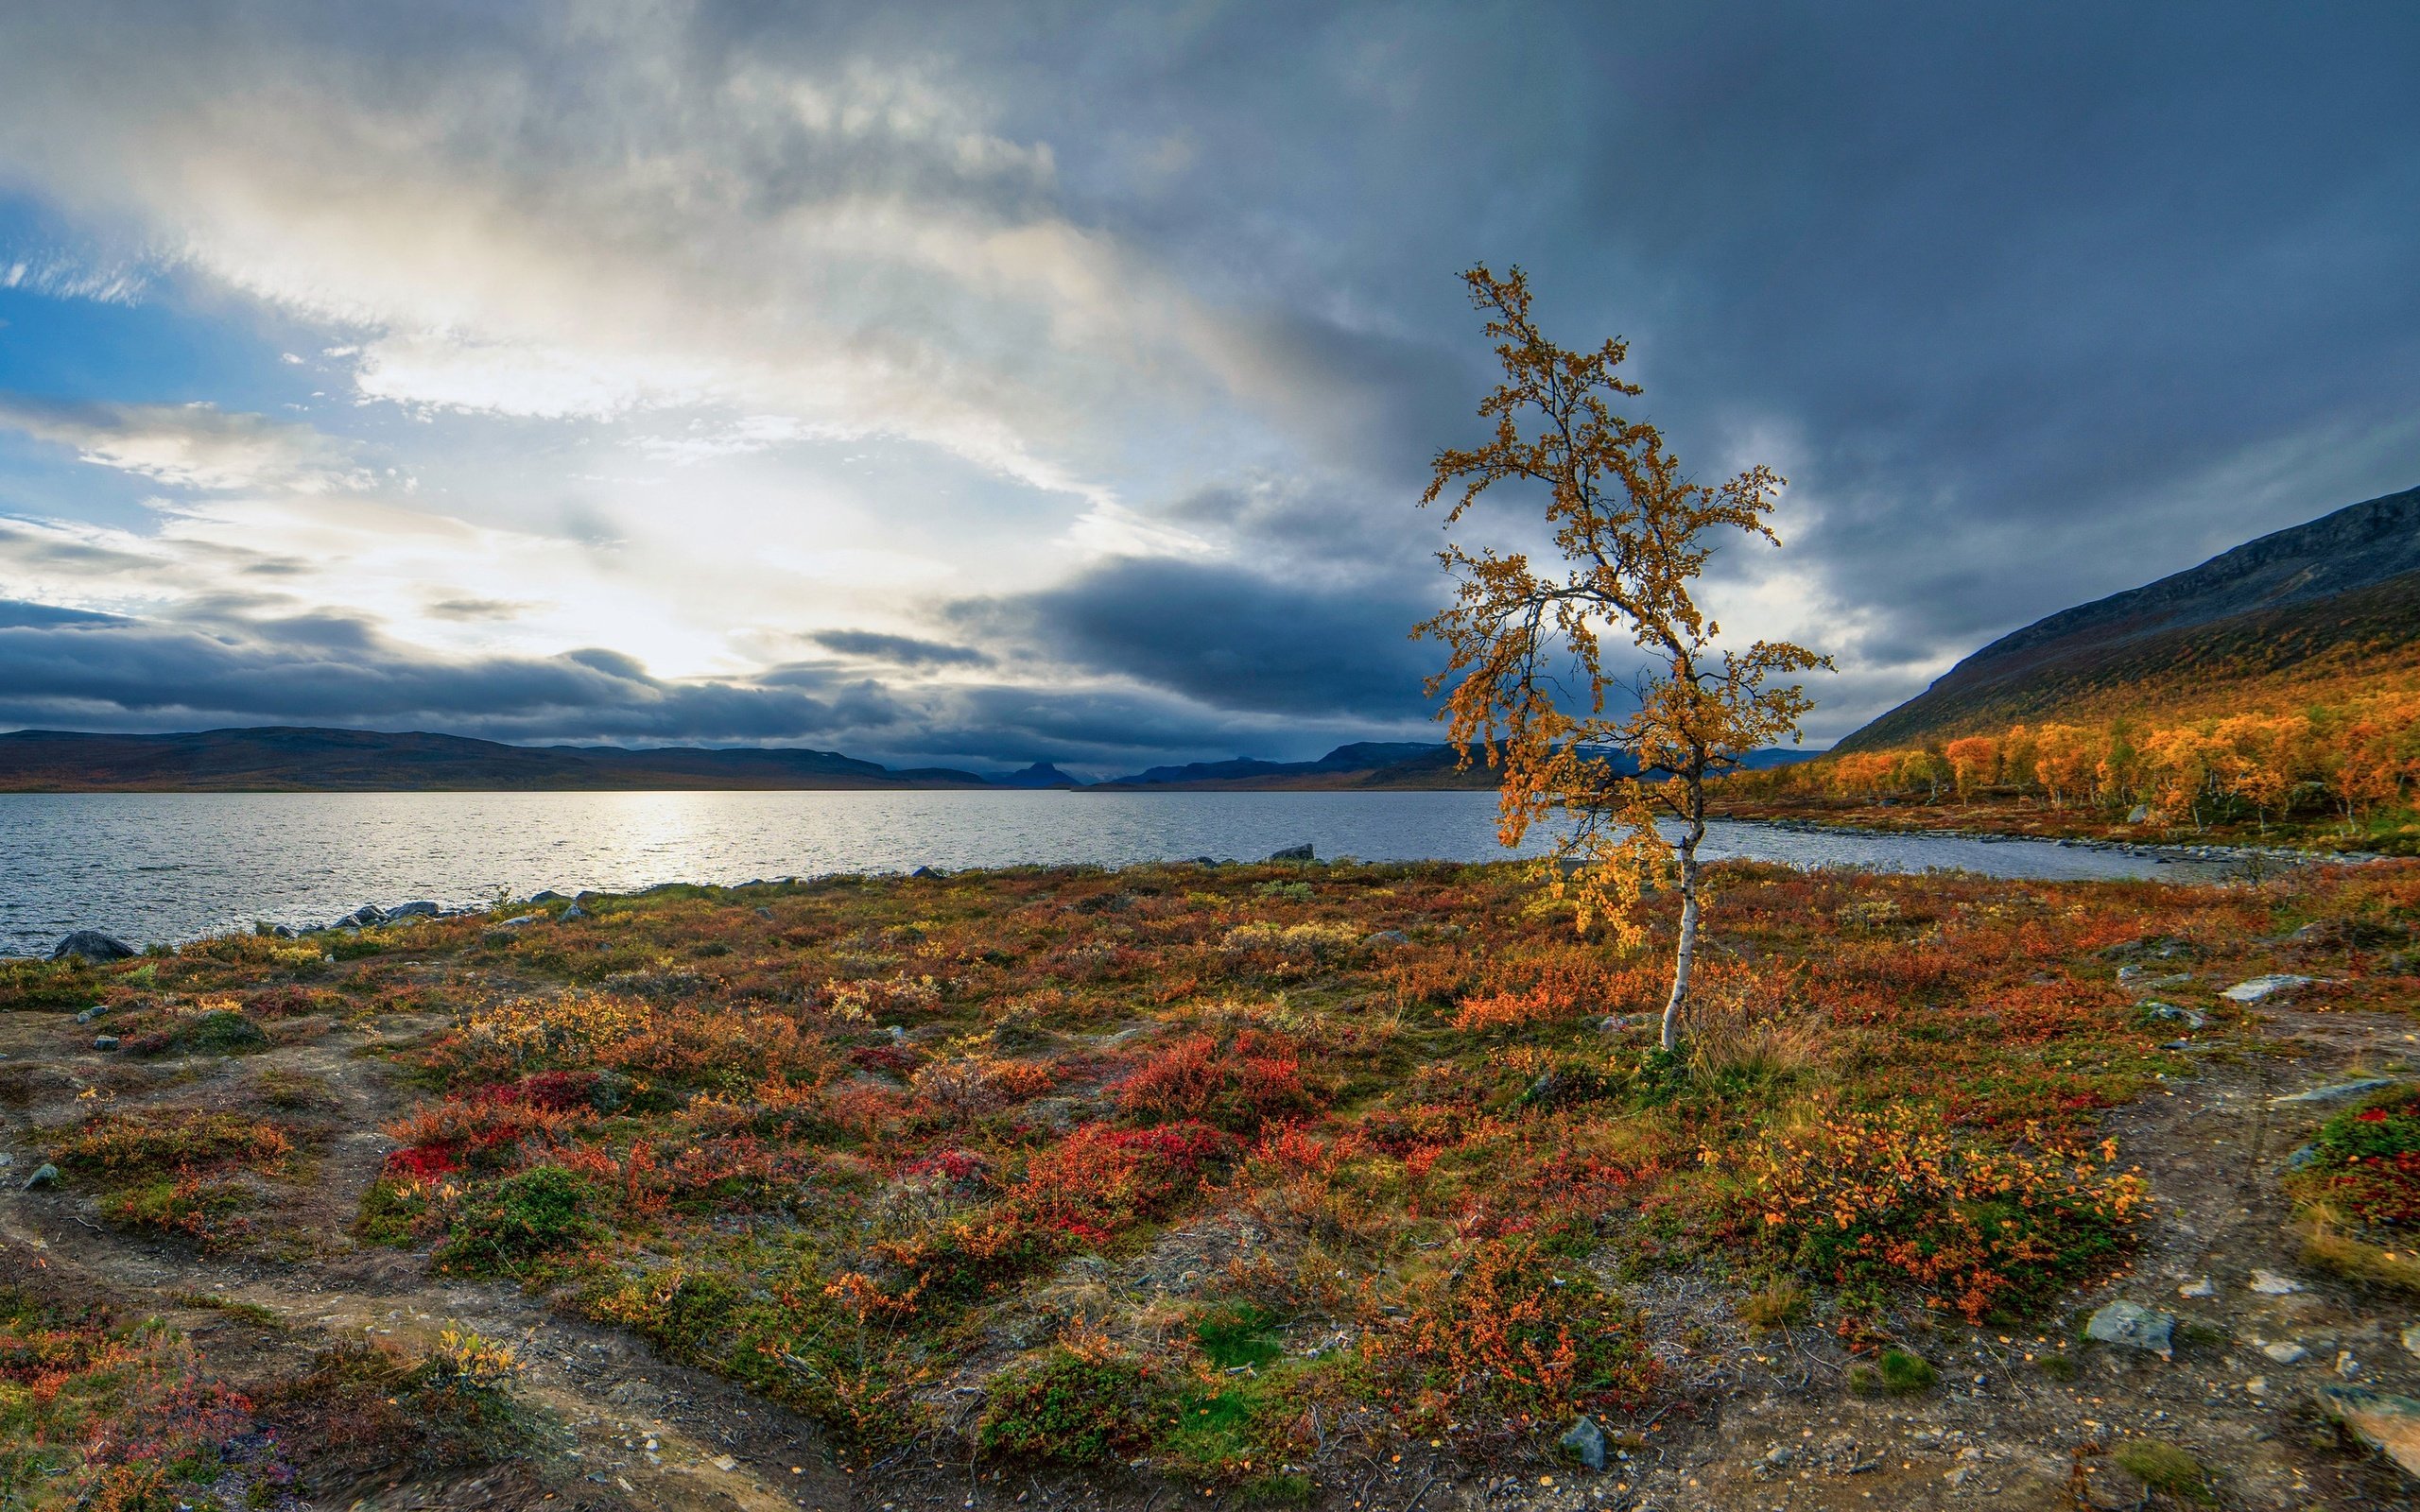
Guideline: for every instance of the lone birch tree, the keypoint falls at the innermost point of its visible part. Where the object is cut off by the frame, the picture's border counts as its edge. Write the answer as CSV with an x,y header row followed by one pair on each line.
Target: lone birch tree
x,y
1526,662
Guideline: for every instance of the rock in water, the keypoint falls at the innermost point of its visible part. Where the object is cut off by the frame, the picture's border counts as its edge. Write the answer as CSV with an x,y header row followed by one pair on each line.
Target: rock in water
x,y
2132,1325
2262,988
94,946
1295,853
1586,1442
2386,1422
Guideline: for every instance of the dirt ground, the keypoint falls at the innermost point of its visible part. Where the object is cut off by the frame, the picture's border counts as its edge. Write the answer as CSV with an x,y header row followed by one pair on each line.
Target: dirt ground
x,y
1759,1420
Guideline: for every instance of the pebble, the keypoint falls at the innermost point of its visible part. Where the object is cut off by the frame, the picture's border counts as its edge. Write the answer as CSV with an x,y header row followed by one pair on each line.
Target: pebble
x,y
2269,1283
2203,1287
2412,1339
105,1041
2286,1351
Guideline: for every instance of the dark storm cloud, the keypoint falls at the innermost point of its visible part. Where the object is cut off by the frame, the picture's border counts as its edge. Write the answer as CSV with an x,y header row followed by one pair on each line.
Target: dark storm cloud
x,y
60,669
1225,636
899,650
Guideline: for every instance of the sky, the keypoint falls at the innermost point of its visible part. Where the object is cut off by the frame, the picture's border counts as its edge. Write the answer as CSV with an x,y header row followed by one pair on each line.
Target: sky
x,y
978,385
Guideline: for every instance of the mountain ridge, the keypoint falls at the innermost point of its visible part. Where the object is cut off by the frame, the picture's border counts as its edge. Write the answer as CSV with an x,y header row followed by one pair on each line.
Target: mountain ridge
x,y
2338,589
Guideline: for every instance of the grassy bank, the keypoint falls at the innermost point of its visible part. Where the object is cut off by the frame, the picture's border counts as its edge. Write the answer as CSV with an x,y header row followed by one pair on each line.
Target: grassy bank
x,y
1249,1176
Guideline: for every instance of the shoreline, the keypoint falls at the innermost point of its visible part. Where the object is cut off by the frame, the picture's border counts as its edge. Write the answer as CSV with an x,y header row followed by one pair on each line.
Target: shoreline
x,y
2147,850
428,910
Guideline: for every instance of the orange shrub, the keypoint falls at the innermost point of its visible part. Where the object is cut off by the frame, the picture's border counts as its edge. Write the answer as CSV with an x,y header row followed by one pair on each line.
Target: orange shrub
x,y
1238,1086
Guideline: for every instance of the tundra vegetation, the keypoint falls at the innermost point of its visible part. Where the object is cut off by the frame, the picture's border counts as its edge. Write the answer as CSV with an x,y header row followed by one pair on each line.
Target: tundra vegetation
x,y
1249,1177
2339,770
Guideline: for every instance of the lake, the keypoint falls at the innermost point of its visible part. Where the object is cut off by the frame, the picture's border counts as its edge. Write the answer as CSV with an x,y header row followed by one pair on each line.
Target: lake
x,y
167,866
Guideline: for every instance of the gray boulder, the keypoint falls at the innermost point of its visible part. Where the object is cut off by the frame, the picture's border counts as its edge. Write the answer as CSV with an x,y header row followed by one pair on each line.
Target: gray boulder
x,y
1295,853
546,896
105,1041
574,911
2381,1419
2173,1014
45,1175
1386,936
1585,1442
92,945
2132,1326
423,908
2262,988
2139,814
96,1011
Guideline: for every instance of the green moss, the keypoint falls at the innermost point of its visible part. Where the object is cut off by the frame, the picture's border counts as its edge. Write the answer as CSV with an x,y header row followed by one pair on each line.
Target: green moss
x,y
1896,1373
1072,1409
2164,1467
534,1215
1238,1336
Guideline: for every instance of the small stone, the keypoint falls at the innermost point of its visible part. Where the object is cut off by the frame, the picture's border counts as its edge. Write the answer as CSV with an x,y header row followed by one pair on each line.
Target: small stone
x,y
2139,814
523,922
2257,1388
2203,1287
2132,1326
2173,1014
2412,1339
2262,988
2269,1283
105,1041
2301,1159
2285,1352
1585,1442
1386,936
2335,1093
725,1463
2386,1422
92,1013
574,911
45,1175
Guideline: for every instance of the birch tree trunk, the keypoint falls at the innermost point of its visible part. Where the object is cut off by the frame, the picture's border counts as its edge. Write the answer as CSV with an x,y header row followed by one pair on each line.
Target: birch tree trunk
x,y
1684,954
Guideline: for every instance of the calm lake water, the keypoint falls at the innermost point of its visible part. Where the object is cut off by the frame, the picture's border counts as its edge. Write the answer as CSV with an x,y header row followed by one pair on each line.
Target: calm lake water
x,y
168,866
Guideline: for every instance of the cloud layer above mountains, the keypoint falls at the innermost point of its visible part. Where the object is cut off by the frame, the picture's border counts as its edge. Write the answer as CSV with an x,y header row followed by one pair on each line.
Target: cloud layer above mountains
x,y
989,384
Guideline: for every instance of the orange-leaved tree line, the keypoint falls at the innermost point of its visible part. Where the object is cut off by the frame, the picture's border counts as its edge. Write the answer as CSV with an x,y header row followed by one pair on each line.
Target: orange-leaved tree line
x,y
2348,758
1528,674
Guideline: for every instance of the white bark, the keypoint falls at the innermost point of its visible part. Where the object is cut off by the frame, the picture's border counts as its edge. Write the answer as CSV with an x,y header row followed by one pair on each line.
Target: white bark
x,y
1684,954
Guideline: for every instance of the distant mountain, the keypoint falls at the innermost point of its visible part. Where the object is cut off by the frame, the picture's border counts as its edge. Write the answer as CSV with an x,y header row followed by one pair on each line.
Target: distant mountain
x,y
283,759
1366,764
2337,596
1041,774
1362,763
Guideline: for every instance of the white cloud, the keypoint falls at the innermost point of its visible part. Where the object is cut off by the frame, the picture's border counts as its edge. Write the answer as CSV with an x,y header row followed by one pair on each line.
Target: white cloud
x,y
193,446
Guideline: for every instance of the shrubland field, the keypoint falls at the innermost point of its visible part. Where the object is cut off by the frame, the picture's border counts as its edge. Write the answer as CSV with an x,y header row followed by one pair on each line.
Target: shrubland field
x,y
2338,770
1344,1184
